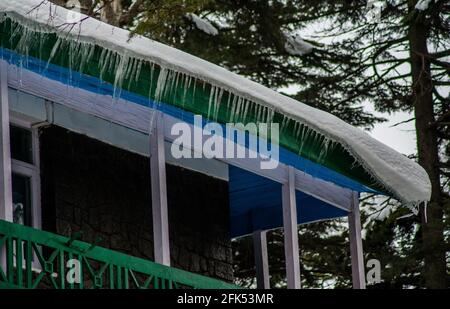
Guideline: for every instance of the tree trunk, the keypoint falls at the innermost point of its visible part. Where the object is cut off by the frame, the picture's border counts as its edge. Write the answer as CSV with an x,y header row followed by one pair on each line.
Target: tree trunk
x,y
427,146
111,12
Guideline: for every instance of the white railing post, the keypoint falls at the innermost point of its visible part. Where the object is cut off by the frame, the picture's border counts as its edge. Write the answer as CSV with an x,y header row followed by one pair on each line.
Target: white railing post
x,y
159,192
5,157
290,231
261,259
356,248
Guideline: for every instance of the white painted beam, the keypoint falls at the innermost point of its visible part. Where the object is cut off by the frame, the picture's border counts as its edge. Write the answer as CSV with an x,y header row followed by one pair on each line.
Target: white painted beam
x,y
356,248
291,232
323,190
261,259
5,157
159,192
5,154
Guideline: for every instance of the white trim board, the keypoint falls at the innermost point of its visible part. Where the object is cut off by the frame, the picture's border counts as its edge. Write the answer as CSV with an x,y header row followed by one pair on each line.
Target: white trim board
x,y
116,121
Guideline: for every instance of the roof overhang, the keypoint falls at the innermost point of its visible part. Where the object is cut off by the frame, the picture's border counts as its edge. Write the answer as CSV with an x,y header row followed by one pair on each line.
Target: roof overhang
x,y
152,72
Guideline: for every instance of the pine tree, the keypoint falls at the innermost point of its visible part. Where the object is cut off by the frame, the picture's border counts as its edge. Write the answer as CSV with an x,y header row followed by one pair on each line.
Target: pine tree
x,y
393,54
397,61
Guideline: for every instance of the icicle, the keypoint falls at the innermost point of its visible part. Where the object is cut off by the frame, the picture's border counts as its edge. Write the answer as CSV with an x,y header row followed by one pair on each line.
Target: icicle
x,y
229,100
161,84
246,107
193,91
171,81
187,82
238,109
53,52
218,103
87,53
129,69
216,95
23,44
177,79
303,137
152,72
259,113
268,115
265,114
283,124
113,64
211,99
169,84
139,68
192,80
233,108
159,92
72,52
104,61
324,148
132,78
120,75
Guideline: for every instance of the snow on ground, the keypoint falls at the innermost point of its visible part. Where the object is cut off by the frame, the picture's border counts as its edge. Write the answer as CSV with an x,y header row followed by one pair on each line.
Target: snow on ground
x,y
202,24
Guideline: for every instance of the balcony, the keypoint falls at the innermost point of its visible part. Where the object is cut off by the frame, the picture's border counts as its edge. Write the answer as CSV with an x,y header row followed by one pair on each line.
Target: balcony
x,y
31,258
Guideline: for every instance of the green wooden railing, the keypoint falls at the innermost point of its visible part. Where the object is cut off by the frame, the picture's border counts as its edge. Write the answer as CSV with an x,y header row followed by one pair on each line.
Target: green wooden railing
x,y
31,258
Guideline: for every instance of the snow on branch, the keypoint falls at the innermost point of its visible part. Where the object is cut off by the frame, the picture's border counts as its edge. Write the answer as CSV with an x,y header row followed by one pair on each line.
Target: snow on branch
x,y
296,46
422,5
202,24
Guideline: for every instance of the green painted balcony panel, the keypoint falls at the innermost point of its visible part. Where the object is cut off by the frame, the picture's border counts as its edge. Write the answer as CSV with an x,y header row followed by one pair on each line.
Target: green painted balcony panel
x,y
32,258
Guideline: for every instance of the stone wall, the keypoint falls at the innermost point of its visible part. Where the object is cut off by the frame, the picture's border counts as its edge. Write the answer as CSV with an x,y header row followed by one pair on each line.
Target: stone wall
x,y
105,192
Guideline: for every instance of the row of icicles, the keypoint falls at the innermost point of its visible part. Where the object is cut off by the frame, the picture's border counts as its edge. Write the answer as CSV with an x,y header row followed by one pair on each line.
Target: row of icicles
x,y
128,67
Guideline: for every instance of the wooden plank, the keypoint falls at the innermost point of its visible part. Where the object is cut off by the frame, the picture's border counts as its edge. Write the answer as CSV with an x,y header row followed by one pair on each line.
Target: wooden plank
x,y
159,192
356,248
261,259
290,231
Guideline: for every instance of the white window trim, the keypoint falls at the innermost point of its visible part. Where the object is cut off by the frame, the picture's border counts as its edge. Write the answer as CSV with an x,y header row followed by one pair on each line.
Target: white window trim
x,y
30,170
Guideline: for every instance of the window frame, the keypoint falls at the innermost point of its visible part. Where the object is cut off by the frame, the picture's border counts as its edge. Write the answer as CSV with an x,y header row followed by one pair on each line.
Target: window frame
x,y
30,170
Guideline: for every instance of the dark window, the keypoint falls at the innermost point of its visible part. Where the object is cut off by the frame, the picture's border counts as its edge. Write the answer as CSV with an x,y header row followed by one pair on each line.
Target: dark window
x,y
21,145
21,187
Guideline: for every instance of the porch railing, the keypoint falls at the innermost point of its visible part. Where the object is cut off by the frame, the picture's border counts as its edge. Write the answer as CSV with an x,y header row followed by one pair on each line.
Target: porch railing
x,y
31,258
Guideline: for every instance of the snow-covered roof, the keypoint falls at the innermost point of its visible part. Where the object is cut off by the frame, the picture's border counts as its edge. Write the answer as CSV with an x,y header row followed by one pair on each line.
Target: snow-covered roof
x,y
403,177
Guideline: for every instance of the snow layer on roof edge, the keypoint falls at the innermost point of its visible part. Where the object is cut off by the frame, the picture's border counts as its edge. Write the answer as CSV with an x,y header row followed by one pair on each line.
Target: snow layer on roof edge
x,y
401,176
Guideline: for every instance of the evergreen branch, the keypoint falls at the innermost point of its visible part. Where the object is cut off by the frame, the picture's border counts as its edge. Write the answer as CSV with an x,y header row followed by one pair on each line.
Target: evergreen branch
x,y
131,13
402,122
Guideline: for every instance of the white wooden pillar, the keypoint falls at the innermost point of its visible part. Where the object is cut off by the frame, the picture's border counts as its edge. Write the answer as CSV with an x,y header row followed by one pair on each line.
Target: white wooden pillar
x,y
356,248
261,259
290,231
5,156
159,192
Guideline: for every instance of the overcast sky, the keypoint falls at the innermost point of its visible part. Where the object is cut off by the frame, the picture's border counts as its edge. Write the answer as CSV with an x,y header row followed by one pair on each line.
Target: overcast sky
x,y
402,137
